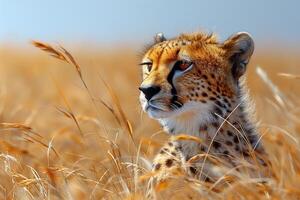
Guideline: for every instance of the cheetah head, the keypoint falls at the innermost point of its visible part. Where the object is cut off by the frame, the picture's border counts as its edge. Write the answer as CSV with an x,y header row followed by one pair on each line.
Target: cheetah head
x,y
193,73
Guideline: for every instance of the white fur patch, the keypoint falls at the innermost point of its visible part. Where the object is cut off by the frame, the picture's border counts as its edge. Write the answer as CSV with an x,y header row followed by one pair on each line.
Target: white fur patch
x,y
188,119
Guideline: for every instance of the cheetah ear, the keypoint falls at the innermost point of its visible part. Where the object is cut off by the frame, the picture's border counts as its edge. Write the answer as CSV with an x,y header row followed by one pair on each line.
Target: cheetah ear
x,y
159,37
239,48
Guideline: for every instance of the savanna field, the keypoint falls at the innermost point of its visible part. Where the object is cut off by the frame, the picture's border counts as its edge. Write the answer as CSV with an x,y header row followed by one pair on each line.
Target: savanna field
x,y
74,129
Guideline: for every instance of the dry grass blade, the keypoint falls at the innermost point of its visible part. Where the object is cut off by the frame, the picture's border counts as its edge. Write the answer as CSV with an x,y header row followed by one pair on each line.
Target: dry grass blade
x,y
278,95
26,130
147,176
68,113
199,157
19,126
66,56
32,139
71,58
71,115
14,149
49,49
16,126
116,101
186,137
292,76
60,53
107,106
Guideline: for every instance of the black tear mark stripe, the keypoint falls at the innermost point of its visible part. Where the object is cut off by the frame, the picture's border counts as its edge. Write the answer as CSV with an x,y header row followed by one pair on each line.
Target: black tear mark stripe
x,y
174,99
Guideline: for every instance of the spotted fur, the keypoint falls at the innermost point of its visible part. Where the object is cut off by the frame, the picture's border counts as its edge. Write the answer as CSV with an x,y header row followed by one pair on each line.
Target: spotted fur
x,y
193,85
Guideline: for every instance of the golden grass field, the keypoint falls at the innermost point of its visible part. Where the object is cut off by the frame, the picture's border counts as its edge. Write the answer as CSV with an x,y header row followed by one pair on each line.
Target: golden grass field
x,y
61,139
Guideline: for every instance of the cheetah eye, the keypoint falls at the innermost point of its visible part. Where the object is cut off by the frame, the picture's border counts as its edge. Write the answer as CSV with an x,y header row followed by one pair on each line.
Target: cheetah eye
x,y
148,65
182,65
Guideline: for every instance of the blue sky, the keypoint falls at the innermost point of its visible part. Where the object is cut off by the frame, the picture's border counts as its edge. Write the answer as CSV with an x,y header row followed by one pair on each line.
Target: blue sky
x,y
136,20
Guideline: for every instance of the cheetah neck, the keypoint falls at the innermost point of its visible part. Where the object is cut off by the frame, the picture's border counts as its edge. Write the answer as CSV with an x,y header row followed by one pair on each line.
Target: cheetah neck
x,y
215,124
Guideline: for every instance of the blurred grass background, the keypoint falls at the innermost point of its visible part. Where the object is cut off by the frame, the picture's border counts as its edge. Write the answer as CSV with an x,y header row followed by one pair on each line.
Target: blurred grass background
x,y
58,141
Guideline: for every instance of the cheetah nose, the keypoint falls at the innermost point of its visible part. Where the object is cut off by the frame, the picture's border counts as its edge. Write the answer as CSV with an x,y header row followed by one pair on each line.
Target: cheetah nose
x,y
149,91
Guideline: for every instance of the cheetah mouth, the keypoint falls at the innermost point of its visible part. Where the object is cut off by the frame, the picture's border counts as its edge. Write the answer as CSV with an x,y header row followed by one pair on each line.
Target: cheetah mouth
x,y
157,110
152,107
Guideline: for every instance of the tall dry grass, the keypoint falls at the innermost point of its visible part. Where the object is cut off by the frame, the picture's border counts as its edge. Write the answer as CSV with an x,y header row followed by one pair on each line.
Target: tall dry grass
x,y
72,127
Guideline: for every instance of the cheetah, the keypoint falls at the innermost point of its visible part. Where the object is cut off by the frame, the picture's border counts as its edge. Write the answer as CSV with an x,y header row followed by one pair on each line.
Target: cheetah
x,y
194,86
